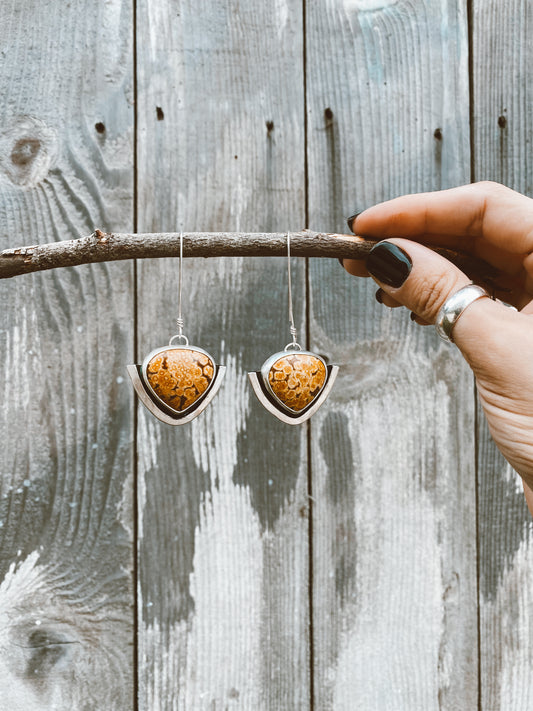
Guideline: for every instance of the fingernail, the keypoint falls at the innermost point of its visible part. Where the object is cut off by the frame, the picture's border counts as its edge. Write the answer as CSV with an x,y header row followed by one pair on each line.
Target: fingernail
x,y
412,316
379,296
389,264
351,220
341,261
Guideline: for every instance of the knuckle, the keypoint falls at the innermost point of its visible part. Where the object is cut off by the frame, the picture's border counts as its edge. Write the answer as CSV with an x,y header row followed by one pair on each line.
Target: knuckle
x,y
432,292
487,187
491,186
490,189
397,220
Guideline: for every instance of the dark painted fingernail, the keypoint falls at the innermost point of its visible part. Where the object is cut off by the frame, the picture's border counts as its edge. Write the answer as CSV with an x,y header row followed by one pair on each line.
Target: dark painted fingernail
x,y
379,296
389,264
351,220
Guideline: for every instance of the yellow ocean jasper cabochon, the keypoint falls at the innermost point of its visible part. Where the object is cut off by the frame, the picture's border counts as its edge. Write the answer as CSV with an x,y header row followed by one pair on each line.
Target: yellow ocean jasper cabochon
x,y
179,376
296,379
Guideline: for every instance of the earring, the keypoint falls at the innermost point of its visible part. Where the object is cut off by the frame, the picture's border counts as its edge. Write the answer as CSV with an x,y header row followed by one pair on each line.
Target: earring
x,y
292,384
177,382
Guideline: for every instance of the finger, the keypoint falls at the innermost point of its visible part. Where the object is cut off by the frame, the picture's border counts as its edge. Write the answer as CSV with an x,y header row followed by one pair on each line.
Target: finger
x,y
422,280
486,210
528,491
527,309
386,299
528,266
499,256
418,320
515,289
477,246
414,275
510,291
356,267
510,266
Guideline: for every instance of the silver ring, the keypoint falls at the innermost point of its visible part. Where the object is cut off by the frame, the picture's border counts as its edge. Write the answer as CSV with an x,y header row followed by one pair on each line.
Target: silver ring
x,y
454,306
184,340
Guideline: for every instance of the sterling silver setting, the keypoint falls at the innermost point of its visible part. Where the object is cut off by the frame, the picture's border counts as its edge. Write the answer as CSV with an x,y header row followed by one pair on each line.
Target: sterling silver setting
x,y
285,415
162,411
198,405
269,362
170,347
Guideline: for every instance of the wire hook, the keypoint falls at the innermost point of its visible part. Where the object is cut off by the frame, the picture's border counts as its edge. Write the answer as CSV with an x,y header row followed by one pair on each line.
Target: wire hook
x,y
292,328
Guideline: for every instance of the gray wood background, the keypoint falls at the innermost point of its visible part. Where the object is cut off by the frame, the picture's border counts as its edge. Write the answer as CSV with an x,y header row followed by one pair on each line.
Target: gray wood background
x,y
379,559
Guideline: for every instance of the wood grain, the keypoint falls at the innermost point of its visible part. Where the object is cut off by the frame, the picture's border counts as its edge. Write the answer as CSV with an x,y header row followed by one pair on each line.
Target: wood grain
x,y
503,131
66,629
329,567
223,554
394,566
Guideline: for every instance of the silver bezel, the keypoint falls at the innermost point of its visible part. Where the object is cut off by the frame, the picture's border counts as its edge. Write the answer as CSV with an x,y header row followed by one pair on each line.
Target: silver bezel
x,y
269,362
156,405
266,396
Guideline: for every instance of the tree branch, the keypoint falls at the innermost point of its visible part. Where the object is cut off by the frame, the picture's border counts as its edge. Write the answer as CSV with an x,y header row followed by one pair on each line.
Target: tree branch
x,y
109,246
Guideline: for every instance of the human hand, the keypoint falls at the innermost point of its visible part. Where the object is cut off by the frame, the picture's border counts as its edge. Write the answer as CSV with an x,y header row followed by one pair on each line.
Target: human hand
x,y
496,224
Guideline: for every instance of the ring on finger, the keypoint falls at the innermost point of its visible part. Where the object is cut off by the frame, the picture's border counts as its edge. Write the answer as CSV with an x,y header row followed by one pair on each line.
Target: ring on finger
x,y
453,308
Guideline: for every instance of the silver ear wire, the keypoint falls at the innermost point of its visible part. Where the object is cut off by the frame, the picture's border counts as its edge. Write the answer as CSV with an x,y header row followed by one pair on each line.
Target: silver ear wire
x,y
179,320
292,328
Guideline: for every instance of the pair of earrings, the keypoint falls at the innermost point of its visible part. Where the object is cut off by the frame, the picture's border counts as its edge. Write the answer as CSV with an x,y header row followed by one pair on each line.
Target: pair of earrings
x,y
177,382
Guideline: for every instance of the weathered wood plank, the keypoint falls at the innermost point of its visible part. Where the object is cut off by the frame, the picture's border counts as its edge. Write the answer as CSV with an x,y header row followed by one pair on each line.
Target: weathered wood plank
x,y
503,133
394,567
223,551
66,624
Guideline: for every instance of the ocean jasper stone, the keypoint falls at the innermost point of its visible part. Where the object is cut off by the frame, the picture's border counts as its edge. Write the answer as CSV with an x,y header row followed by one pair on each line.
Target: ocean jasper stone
x,y
180,376
296,379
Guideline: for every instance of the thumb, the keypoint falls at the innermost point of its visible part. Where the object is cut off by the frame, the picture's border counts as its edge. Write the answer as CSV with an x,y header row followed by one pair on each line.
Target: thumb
x,y
422,280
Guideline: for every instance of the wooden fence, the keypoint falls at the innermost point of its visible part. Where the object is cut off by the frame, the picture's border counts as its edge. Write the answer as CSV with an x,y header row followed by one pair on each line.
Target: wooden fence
x,y
379,559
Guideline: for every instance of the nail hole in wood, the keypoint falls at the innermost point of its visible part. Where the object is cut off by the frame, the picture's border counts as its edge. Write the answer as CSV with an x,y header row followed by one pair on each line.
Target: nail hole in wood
x,y
100,127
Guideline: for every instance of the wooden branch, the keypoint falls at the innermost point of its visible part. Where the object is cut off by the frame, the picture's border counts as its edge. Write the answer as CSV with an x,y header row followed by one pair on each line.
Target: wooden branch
x,y
109,246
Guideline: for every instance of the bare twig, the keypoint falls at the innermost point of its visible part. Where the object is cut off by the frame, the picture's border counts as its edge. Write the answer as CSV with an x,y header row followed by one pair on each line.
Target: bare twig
x,y
109,246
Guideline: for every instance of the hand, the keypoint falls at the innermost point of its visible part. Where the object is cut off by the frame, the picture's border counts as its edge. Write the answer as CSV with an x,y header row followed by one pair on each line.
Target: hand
x,y
496,224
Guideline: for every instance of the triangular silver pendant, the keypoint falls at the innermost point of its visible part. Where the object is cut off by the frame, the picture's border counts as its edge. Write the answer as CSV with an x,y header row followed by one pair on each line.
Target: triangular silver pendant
x,y
176,383
293,384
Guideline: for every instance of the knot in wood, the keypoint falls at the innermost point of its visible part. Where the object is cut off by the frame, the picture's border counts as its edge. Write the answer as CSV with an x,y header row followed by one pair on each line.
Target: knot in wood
x,y
29,149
